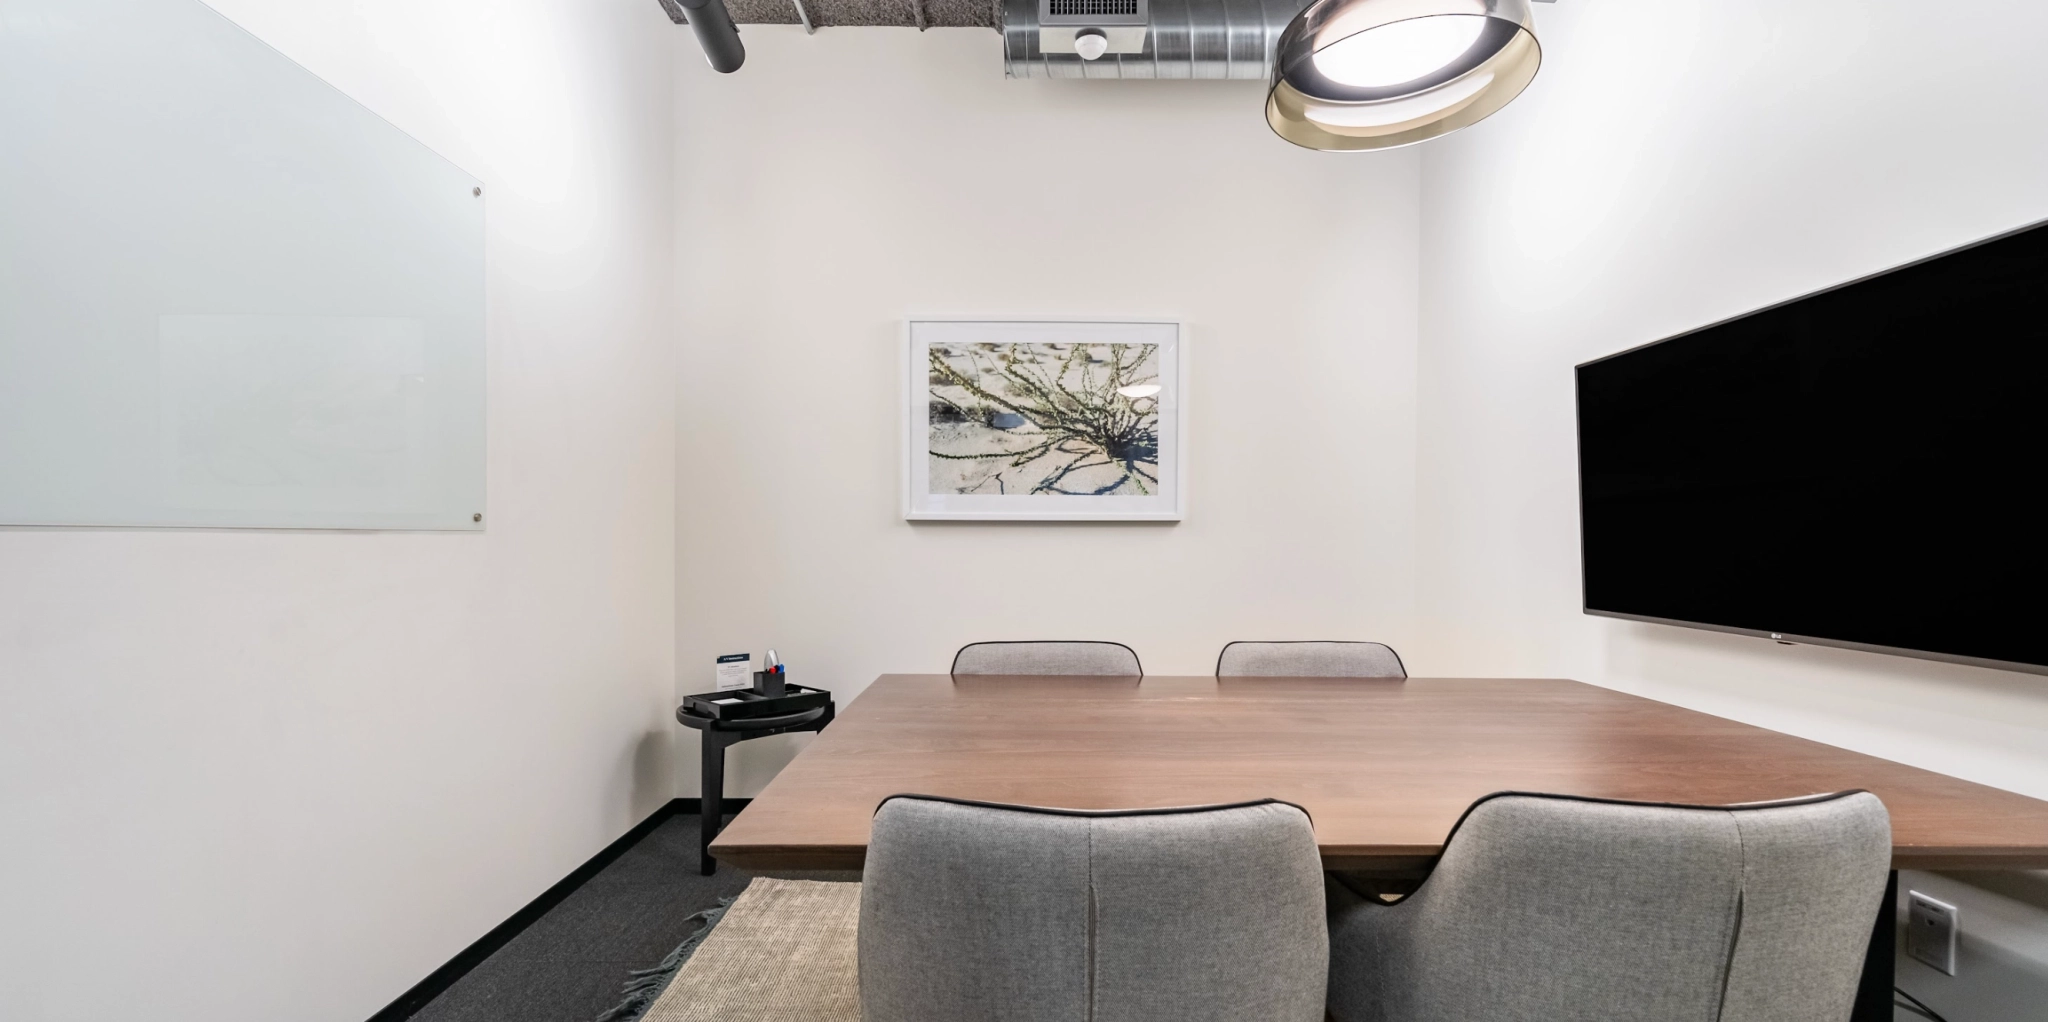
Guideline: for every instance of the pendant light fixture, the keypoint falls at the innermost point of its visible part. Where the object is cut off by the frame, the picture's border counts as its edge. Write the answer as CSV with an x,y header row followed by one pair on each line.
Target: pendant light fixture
x,y
1377,74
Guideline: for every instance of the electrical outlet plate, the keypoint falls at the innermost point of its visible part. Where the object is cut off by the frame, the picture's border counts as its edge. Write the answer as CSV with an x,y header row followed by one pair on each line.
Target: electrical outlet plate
x,y
1931,932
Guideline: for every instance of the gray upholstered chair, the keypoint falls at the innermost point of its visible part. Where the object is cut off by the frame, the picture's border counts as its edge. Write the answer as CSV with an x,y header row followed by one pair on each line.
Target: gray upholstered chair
x,y
1309,660
1109,659
1548,907
980,912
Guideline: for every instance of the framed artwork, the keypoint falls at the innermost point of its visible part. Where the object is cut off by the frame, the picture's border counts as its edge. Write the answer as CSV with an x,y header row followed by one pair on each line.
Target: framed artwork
x,y
1044,420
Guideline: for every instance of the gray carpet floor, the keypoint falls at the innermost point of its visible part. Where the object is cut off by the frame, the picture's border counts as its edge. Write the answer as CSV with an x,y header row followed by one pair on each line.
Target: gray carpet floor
x,y
568,966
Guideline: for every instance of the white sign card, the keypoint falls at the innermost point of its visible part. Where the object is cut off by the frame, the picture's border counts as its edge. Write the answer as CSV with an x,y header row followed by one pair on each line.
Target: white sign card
x,y
735,670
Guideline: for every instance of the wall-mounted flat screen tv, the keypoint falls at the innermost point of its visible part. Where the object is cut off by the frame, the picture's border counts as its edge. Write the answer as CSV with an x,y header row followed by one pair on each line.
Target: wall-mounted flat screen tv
x,y
1866,466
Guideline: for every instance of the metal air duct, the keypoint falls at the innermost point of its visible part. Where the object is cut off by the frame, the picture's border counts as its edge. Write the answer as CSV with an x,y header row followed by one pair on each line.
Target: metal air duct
x,y
1144,38
817,14
1138,38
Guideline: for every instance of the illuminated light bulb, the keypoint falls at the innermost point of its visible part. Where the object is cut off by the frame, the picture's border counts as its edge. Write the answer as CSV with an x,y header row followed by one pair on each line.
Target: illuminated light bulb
x,y
1401,52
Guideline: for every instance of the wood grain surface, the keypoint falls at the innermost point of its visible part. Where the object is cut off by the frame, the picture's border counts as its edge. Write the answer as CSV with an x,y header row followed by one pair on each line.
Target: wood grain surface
x,y
1384,767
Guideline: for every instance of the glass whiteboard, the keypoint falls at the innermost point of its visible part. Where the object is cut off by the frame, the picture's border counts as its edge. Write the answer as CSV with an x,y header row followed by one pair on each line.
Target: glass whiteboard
x,y
230,296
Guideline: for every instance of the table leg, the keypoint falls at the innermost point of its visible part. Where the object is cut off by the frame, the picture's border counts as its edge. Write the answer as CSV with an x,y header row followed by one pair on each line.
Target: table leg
x,y
712,804
1874,994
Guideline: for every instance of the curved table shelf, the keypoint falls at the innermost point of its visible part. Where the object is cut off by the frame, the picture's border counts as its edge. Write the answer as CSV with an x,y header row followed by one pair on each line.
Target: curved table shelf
x,y
720,735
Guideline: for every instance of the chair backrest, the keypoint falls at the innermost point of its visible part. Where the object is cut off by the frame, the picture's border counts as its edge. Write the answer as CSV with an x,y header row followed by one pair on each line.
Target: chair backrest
x,y
1547,906
985,912
1309,660
1109,659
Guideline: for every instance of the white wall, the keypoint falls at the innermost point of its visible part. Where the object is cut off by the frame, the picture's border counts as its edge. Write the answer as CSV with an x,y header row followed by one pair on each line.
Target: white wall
x,y
275,775
847,179
1676,163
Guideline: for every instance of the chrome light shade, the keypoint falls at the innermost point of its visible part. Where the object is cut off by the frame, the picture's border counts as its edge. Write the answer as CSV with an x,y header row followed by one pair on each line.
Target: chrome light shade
x,y
1377,74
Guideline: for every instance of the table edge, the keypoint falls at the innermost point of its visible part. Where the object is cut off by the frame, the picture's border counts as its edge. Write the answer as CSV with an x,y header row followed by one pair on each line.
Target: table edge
x,y
1395,860
1383,861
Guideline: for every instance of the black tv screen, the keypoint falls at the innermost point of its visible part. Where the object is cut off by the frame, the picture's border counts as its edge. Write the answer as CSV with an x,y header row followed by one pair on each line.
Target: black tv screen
x,y
1861,467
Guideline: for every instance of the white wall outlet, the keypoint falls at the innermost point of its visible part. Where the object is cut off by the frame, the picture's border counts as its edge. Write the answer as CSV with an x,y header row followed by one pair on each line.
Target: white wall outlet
x,y
1931,931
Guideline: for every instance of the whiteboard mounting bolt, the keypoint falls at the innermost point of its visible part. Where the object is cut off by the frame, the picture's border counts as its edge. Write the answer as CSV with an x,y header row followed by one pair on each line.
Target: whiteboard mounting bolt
x,y
478,517
476,191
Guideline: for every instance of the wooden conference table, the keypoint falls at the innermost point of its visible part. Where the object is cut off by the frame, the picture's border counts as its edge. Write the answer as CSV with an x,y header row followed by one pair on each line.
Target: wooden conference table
x,y
1384,767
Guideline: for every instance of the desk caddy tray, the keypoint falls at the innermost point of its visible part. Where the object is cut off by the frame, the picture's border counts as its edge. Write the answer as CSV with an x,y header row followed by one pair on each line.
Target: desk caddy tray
x,y
742,703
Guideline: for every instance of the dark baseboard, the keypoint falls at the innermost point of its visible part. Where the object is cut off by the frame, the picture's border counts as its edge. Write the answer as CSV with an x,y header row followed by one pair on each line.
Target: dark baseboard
x,y
470,957
693,806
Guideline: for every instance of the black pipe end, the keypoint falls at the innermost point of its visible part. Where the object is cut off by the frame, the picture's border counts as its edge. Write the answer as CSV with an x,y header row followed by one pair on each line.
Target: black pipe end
x,y
716,32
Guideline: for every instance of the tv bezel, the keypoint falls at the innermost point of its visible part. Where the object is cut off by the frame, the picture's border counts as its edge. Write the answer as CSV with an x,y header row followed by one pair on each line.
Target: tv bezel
x,y
1785,638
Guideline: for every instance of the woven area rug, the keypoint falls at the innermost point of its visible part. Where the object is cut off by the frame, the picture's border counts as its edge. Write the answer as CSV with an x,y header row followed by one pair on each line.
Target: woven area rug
x,y
784,951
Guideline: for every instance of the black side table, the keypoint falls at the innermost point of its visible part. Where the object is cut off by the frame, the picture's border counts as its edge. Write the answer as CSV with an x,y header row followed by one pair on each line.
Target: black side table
x,y
718,736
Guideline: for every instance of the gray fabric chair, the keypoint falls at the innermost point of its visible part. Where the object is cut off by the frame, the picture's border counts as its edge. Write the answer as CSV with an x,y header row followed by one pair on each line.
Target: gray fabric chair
x,y
1109,659
980,913
1309,660
1546,907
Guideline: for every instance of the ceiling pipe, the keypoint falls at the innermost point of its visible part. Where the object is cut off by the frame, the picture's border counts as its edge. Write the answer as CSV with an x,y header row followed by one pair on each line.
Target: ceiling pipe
x,y
1201,39
1050,38
1198,39
816,14
715,31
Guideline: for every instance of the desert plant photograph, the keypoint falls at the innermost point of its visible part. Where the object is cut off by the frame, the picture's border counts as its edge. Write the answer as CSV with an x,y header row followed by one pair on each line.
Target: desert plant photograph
x,y
1051,418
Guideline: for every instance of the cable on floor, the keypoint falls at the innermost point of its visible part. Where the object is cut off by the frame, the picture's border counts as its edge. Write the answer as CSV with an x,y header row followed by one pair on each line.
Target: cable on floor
x,y
1916,1006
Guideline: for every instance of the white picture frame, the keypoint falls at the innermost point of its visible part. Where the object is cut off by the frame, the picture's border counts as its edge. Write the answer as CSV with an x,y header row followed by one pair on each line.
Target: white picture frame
x,y
1014,364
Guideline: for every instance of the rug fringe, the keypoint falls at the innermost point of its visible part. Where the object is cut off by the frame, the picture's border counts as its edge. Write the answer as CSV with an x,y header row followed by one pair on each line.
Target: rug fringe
x,y
644,985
